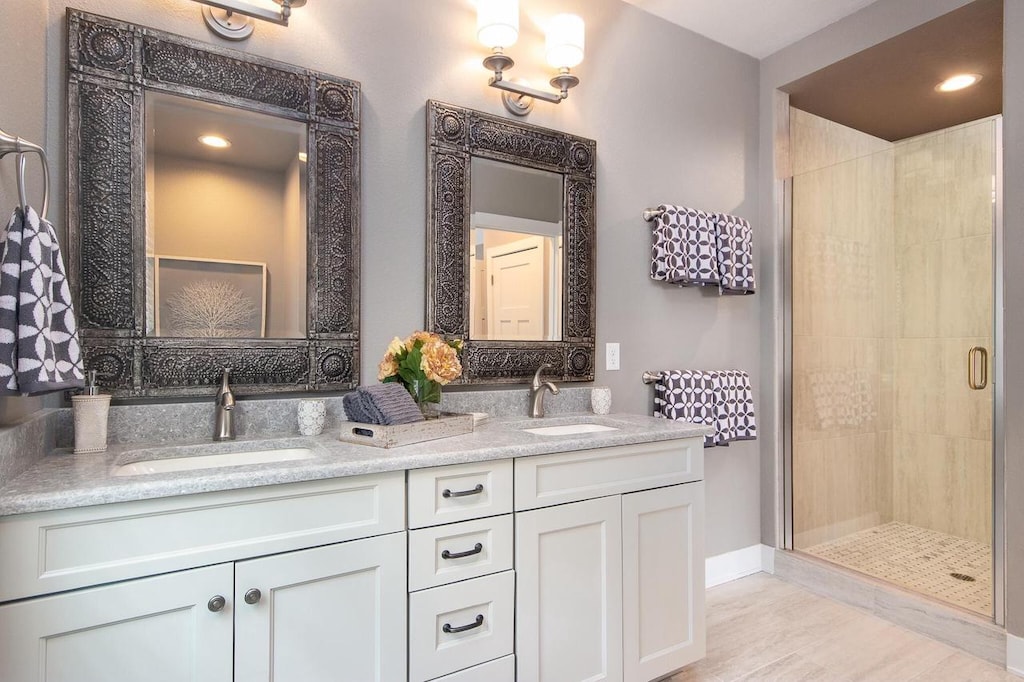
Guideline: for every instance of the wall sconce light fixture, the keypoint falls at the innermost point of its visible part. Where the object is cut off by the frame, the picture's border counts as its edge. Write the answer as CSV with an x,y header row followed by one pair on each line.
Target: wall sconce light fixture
x,y
222,18
497,27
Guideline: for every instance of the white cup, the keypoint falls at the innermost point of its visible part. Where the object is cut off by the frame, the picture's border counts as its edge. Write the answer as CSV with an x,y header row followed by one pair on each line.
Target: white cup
x,y
312,414
601,400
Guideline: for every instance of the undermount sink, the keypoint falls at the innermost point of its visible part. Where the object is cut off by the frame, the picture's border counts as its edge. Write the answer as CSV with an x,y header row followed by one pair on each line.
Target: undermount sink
x,y
169,464
570,429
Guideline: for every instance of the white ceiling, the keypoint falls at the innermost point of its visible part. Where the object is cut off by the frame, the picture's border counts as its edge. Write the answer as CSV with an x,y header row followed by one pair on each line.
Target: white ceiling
x,y
756,27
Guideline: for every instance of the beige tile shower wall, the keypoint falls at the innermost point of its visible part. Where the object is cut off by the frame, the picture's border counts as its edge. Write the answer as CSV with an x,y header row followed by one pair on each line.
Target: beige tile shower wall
x,y
942,461
843,329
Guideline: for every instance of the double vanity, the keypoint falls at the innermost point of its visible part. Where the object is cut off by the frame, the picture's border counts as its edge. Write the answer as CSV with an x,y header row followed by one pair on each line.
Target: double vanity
x,y
566,548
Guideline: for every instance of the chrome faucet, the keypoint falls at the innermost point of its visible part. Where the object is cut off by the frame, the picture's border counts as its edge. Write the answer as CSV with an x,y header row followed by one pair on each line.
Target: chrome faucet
x,y
537,389
224,406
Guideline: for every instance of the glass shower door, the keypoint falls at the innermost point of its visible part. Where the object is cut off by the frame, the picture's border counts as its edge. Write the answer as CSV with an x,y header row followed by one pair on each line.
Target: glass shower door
x,y
892,339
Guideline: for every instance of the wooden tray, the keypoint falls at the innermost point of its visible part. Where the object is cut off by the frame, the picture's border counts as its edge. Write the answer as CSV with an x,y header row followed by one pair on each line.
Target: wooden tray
x,y
382,436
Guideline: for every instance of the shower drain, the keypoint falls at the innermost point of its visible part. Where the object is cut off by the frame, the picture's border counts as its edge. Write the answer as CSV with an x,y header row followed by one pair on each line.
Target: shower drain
x,y
963,576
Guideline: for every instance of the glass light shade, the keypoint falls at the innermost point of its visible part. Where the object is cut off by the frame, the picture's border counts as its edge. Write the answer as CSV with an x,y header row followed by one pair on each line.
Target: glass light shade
x,y
497,22
565,41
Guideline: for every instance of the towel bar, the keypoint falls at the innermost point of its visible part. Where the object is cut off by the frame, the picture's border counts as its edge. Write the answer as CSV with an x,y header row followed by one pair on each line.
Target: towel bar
x,y
650,377
650,214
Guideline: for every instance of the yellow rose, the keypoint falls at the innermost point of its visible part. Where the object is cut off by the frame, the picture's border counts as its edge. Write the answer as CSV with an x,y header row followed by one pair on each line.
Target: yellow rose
x,y
425,337
388,367
440,362
395,347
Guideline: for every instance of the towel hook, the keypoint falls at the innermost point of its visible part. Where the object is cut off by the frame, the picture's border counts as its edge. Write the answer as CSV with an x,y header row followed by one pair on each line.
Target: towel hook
x,y
22,185
10,144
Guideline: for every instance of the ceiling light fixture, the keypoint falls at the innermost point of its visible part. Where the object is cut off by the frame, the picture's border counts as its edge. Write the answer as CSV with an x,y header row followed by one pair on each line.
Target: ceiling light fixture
x,y
215,141
958,82
497,27
220,16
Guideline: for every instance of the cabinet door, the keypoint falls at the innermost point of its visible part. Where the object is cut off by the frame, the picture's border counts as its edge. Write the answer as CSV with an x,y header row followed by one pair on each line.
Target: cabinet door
x,y
569,592
155,629
331,613
663,580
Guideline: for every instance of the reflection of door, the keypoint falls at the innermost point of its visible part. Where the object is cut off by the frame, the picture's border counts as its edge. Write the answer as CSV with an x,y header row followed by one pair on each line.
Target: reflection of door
x,y
515,297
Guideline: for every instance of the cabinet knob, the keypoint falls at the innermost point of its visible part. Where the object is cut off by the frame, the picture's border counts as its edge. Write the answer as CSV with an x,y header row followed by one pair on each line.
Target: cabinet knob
x,y
216,603
253,596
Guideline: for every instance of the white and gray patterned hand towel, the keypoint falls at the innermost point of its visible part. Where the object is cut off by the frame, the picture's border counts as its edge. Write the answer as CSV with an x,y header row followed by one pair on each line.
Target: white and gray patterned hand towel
x,y
688,395
719,398
39,349
684,250
735,244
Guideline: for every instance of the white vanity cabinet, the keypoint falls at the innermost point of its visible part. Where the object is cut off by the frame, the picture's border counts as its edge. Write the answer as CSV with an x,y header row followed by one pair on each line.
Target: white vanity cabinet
x,y
333,612
611,575
583,565
156,629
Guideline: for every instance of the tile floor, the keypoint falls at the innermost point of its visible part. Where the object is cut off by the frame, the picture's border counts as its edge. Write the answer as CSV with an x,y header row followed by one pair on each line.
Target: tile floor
x,y
920,560
763,628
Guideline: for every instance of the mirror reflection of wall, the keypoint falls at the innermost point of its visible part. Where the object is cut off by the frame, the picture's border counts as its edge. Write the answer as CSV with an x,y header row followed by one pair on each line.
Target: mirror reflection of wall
x,y
225,221
515,253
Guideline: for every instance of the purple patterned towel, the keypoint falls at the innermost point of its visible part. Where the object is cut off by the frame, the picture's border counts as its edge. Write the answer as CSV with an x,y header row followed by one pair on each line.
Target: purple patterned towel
x,y
39,350
735,245
722,399
684,250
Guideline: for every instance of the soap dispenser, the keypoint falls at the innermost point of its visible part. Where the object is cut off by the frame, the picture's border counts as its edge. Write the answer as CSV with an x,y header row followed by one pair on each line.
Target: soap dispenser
x,y
90,414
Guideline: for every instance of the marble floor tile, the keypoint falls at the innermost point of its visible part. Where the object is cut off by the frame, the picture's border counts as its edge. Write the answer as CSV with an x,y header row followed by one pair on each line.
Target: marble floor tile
x,y
964,668
761,628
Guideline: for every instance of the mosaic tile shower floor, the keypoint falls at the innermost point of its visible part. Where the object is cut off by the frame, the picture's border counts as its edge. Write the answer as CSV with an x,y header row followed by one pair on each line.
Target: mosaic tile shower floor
x,y
918,559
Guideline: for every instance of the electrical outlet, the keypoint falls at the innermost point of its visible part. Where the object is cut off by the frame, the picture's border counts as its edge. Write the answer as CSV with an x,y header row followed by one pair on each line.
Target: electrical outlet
x,y
611,356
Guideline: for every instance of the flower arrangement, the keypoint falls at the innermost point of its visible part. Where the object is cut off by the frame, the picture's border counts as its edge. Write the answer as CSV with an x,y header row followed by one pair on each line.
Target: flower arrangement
x,y
423,363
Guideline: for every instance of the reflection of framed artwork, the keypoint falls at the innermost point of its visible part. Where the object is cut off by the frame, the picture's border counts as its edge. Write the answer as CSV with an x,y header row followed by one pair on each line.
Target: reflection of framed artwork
x,y
199,297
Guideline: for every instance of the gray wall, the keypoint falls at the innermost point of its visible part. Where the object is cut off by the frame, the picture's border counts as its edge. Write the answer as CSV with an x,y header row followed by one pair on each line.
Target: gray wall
x,y
1013,287
878,22
22,100
675,116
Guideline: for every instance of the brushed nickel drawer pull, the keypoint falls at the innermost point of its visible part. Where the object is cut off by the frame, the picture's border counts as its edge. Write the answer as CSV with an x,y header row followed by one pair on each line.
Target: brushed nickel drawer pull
x,y
477,548
449,629
446,493
977,368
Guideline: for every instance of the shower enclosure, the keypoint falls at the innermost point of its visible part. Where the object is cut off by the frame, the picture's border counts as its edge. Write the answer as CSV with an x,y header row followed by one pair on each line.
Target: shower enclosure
x,y
892,358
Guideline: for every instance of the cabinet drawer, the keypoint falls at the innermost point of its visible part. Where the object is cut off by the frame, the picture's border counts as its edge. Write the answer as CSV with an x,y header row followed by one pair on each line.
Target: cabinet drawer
x,y
501,670
546,480
66,549
459,493
434,552
478,615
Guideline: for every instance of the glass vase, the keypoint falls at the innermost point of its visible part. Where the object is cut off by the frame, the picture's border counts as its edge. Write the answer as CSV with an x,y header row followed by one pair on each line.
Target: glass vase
x,y
427,395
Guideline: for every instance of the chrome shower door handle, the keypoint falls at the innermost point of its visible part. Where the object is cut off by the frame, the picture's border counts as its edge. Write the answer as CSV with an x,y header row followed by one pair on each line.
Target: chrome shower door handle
x,y
977,368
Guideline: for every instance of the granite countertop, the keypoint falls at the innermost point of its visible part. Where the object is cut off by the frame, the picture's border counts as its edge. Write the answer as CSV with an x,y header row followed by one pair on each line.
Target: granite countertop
x,y
63,480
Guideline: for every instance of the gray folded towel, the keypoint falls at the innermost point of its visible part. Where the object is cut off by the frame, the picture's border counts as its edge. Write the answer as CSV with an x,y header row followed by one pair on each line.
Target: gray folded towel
x,y
392,402
387,404
354,410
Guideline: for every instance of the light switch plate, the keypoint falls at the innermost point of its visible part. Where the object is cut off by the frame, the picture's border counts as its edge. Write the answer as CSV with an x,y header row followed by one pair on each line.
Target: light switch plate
x,y
611,356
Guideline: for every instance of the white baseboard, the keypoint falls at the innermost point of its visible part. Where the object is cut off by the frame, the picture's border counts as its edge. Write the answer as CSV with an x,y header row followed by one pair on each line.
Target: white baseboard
x,y
723,568
768,559
1015,654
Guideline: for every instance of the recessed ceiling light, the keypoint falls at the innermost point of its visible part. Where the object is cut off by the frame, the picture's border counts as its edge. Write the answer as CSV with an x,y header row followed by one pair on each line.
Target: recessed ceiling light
x,y
215,141
958,82
303,157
